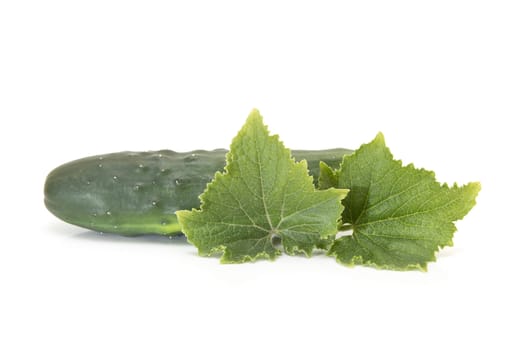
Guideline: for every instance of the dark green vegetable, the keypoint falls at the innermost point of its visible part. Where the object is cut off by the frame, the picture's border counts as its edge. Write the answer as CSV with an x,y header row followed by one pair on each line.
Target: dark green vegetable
x,y
134,193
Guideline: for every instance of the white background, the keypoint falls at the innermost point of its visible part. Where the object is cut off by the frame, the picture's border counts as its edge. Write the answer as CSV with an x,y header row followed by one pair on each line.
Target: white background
x,y
443,80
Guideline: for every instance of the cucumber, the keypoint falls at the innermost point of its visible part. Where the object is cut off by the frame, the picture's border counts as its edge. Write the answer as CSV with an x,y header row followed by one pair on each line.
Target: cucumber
x,y
133,193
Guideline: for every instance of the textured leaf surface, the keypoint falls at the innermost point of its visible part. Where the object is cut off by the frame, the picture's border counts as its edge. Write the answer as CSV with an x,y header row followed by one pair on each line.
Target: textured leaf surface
x,y
399,215
264,199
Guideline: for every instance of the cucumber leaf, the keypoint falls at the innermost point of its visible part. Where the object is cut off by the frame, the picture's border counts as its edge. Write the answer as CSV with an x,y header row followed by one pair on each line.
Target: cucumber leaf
x,y
262,201
399,216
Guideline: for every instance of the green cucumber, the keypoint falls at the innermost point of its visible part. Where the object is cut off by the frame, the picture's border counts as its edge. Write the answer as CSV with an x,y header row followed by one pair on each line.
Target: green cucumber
x,y
134,193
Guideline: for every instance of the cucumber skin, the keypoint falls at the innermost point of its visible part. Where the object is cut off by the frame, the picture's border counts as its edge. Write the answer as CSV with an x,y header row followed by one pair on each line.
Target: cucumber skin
x,y
135,193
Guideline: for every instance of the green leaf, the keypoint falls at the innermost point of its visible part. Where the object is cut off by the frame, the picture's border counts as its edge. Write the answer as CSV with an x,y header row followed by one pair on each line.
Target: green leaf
x,y
263,200
399,215
328,177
